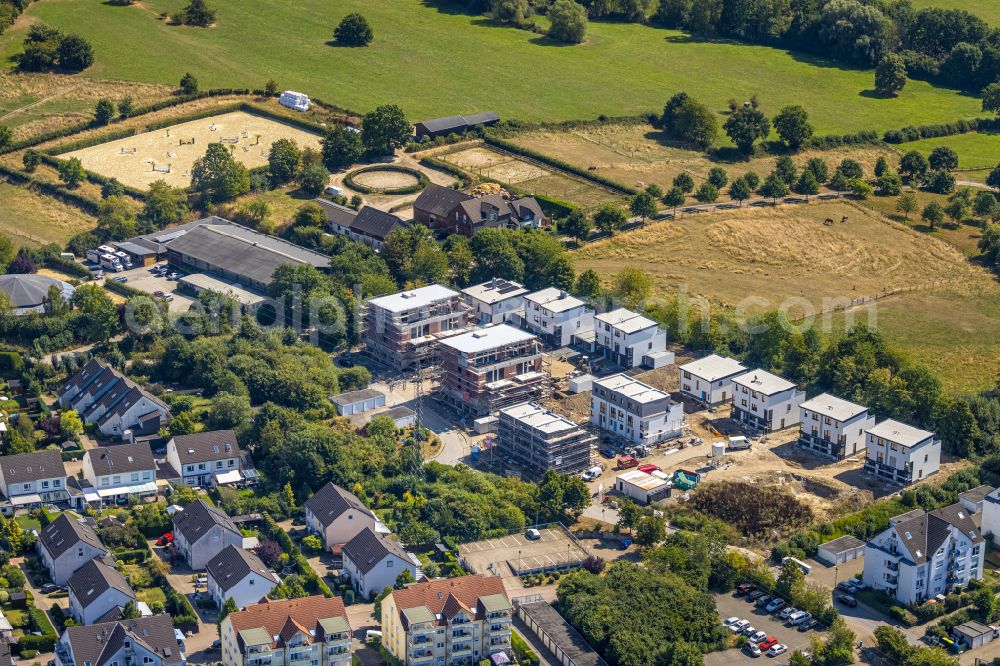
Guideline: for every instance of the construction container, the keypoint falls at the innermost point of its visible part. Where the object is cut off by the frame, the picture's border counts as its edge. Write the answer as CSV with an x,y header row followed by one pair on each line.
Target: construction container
x,y
581,383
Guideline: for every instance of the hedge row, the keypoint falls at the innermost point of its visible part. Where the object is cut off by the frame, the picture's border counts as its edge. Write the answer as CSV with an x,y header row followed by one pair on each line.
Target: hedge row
x,y
92,177
87,142
193,115
510,147
54,190
830,141
67,266
130,556
915,133
554,207
123,289
302,124
447,167
409,189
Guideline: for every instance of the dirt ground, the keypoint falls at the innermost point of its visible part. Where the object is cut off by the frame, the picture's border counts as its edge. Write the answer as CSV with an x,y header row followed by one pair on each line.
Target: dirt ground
x,y
383,180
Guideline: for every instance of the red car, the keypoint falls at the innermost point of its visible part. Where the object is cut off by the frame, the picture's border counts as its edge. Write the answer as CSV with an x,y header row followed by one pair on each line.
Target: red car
x,y
649,469
158,294
768,642
165,539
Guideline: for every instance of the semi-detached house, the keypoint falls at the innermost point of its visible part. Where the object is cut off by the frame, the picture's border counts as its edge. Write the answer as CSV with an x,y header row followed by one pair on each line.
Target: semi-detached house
x,y
96,590
201,532
28,480
65,545
238,574
116,473
337,515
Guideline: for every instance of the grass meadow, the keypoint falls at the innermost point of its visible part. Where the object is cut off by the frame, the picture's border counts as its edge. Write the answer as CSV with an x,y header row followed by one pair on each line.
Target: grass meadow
x,y
33,220
988,10
433,59
977,152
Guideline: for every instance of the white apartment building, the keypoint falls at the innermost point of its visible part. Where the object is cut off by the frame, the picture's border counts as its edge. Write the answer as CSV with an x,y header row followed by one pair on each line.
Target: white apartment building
x,y
765,402
627,337
493,302
833,426
635,411
901,454
555,316
919,557
28,480
709,379
116,473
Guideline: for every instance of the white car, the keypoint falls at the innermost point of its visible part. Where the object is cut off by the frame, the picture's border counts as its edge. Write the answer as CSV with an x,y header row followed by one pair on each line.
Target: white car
x,y
533,534
750,631
740,626
758,637
752,649
775,650
730,620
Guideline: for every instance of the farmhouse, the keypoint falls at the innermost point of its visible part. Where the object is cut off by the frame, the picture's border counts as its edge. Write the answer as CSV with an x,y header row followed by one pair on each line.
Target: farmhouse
x,y
95,590
454,125
150,641
117,472
369,225
373,562
555,316
493,210
901,454
833,427
434,206
538,440
403,329
635,411
642,487
493,302
490,368
628,338
709,379
65,545
209,458
29,480
765,402
29,293
239,575
103,396
338,515
201,532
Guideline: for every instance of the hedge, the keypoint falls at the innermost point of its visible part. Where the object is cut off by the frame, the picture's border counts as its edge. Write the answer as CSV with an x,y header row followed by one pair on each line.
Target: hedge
x,y
67,266
38,643
503,144
131,556
447,167
12,361
830,141
409,189
915,133
122,288
554,207
87,142
193,115
67,196
95,178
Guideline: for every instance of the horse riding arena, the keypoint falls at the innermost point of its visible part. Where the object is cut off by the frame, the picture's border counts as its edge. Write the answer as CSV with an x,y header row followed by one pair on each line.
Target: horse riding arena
x,y
168,153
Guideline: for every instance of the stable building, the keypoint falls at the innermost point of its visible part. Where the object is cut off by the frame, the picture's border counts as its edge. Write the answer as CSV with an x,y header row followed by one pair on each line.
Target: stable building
x,y
370,226
833,427
433,207
901,454
431,129
538,440
764,402
709,379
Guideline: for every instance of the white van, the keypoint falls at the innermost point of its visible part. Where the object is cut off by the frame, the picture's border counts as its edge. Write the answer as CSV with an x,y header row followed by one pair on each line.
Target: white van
x,y
333,190
67,255
740,443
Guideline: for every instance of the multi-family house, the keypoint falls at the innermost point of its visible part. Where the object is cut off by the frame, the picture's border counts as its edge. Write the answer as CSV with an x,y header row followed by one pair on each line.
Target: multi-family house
x,y
710,379
65,545
238,574
765,402
435,204
900,453
149,641
833,426
538,440
441,208
311,631
208,458
448,622
337,515
103,396
627,337
370,225
97,589
201,532
121,471
990,514
556,317
495,301
374,561
635,411
922,556
403,329
28,480
490,368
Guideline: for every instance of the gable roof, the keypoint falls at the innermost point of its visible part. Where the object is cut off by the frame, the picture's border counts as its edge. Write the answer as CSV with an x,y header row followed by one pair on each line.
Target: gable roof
x,y
367,549
336,214
270,618
198,518
95,578
926,533
83,375
438,200
27,467
96,644
232,564
376,223
121,459
448,596
206,446
331,501
64,533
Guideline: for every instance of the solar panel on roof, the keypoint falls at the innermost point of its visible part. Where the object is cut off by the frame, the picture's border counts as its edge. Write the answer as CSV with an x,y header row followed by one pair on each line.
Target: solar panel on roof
x,y
169,237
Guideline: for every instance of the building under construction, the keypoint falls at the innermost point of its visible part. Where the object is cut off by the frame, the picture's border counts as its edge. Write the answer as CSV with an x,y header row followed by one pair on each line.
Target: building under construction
x,y
537,440
490,368
403,329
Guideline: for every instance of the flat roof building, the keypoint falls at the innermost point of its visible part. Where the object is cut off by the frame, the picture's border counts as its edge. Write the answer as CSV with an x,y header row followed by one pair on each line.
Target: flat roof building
x,y
556,316
538,440
635,411
627,337
765,402
642,487
840,550
404,328
558,635
833,426
492,302
709,379
900,453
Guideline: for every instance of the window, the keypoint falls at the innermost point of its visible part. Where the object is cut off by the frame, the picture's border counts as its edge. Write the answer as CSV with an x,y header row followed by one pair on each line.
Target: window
x,y
27,486
252,581
231,462
135,477
56,483
45,484
388,564
117,479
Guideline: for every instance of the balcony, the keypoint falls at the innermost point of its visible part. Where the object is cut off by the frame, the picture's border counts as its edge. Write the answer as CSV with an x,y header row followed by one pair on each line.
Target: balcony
x,y
890,579
458,635
265,661
892,566
462,649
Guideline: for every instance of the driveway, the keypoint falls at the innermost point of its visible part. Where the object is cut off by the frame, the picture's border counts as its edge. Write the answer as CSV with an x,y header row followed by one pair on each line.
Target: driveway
x,y
140,278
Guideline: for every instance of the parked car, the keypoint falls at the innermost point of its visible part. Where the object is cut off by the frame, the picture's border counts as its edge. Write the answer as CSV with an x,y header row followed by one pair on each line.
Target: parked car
x,y
797,617
749,631
533,534
846,585
775,650
785,612
775,605
757,637
158,293
165,539
174,276
755,595
624,543
763,600
768,642
847,600
739,626
744,588
752,650
216,645
607,452
120,278
730,620
811,624
168,298
49,588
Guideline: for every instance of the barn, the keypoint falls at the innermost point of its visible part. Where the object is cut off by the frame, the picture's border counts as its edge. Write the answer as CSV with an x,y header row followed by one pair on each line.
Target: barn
x,y
455,124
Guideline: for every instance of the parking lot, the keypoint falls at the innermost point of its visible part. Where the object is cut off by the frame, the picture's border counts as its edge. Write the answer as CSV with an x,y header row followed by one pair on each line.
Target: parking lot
x,y
140,278
509,555
729,605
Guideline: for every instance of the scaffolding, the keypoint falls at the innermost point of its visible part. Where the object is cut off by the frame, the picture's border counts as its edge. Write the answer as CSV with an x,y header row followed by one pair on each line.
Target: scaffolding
x,y
537,440
400,338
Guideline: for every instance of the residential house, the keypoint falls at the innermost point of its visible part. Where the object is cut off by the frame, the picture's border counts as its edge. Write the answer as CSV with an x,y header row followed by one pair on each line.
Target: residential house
x,y
764,402
239,575
495,301
370,226
833,427
901,454
452,622
201,532
121,471
149,641
95,590
65,545
311,631
338,218
494,211
709,379
115,404
435,204
634,411
208,458
338,515
538,440
373,562
556,317
990,519
28,480
402,329
627,338
926,555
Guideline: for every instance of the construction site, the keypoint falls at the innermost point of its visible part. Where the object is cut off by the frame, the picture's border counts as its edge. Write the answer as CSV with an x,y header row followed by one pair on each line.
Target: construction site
x,y
537,440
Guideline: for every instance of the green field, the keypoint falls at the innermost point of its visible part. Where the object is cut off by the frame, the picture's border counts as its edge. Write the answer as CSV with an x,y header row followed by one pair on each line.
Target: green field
x,y
433,59
988,10
975,151
33,220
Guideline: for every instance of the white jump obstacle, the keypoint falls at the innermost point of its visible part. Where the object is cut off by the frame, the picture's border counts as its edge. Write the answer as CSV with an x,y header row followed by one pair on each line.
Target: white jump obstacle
x,y
128,151
161,169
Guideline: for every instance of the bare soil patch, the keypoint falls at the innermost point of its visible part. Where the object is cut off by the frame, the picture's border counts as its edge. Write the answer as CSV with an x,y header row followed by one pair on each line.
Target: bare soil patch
x,y
385,180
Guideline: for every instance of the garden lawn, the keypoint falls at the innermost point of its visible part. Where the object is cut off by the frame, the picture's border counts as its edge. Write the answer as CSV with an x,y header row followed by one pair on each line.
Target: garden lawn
x,y
151,596
433,60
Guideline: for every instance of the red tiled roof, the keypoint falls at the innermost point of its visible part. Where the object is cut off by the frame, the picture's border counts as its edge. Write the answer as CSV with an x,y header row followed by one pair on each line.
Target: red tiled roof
x,y
274,616
448,594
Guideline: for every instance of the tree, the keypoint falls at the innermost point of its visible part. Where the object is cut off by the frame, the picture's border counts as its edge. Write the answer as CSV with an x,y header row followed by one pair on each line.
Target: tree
x,y
785,168
112,188
70,423
993,179
789,580
403,579
633,286
890,75
125,107
588,284
890,184
514,12
129,611
609,218
6,137
745,127
217,176
342,147
189,84
881,166
283,161
851,169
629,515
576,225
568,21
684,181
957,209
164,205
860,188
940,182
674,198
717,176
792,125
182,424
943,157
752,179
689,120
740,191
991,98
104,111
22,264
774,188
806,184
933,214
7,253
71,172
650,531
32,158
230,412
655,190
75,53
197,13
228,606
643,204
385,129
354,30
914,166
707,193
